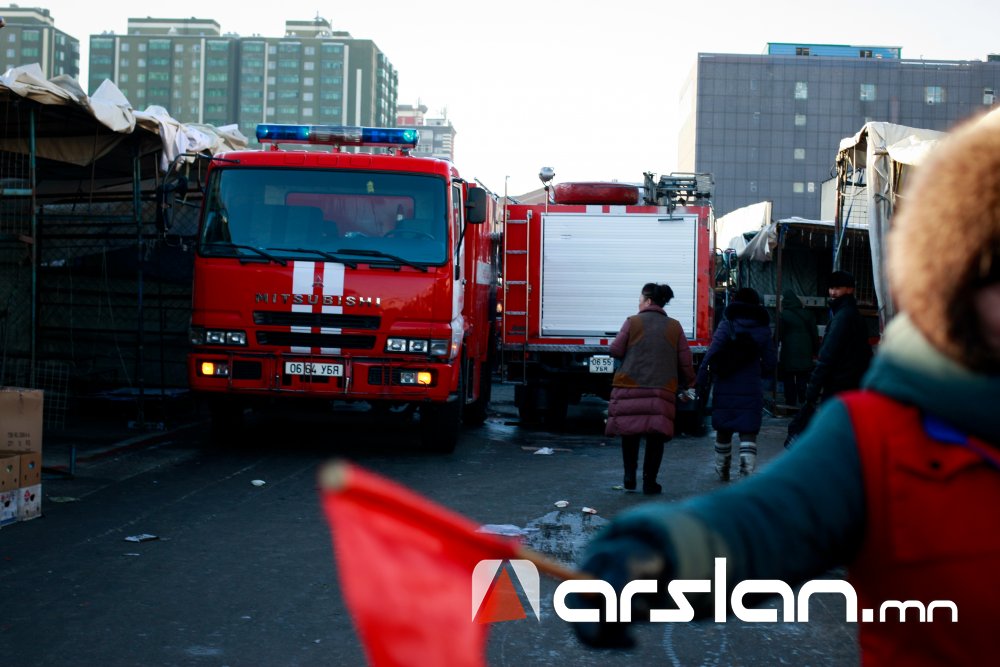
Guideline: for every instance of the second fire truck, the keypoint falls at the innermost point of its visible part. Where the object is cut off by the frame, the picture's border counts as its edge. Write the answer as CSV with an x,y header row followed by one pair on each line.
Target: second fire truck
x,y
573,269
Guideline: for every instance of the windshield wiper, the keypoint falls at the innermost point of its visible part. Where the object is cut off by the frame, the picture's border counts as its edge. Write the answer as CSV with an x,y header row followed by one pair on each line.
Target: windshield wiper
x,y
384,255
266,255
322,253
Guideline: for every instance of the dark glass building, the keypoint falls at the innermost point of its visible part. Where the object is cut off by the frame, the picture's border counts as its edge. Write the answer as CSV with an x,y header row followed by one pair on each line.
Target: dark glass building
x,y
768,126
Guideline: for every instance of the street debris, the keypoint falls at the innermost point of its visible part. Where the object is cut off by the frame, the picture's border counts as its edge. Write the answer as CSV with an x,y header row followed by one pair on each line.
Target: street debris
x,y
63,499
588,510
505,529
545,450
144,537
562,503
258,482
563,535
617,487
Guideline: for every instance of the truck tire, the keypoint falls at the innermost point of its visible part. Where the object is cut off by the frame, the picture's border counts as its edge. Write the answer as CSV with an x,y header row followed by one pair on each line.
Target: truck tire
x,y
541,404
618,194
526,400
440,423
554,415
227,420
475,413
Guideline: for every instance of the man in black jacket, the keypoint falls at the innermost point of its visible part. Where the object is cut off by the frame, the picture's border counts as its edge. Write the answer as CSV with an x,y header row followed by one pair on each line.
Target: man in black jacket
x,y
845,352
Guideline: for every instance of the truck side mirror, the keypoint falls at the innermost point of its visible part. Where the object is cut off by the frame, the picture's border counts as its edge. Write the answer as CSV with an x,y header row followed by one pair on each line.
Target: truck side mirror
x,y
476,205
166,194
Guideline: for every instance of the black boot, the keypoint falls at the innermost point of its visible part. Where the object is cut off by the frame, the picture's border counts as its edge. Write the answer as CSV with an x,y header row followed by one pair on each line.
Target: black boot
x,y
651,464
630,459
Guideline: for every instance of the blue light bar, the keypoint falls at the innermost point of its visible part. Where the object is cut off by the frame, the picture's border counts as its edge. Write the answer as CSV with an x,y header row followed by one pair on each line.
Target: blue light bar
x,y
336,135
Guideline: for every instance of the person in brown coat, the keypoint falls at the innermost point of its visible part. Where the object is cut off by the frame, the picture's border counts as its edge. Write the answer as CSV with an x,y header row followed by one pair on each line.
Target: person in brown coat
x,y
656,366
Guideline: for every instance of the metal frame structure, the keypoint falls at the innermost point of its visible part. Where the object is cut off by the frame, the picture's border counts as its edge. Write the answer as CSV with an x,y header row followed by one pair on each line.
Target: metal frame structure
x,y
59,222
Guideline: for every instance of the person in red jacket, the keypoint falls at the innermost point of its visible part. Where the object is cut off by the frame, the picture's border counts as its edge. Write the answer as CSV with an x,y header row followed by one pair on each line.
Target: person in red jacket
x,y
899,481
656,365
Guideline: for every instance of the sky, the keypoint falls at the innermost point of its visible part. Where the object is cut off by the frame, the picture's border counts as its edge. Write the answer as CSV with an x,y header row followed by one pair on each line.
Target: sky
x,y
590,88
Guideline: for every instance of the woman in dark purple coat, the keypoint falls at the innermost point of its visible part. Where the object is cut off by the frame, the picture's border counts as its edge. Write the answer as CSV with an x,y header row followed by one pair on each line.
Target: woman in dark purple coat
x,y
738,398
656,365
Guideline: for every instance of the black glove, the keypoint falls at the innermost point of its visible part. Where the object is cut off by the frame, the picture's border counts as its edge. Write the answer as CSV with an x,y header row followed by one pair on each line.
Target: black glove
x,y
616,560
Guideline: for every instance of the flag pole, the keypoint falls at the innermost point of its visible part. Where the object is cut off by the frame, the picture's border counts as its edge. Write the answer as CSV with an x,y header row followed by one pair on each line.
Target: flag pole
x,y
549,566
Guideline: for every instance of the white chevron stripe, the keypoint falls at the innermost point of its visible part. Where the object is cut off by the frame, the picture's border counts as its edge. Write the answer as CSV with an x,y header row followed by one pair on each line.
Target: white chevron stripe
x,y
333,284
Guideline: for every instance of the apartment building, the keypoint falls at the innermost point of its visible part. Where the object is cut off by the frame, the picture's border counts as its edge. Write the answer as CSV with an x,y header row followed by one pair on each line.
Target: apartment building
x,y
30,36
312,74
437,135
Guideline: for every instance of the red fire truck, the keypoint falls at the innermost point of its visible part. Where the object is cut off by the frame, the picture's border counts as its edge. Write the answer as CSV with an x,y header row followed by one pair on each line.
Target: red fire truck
x,y
573,269
338,275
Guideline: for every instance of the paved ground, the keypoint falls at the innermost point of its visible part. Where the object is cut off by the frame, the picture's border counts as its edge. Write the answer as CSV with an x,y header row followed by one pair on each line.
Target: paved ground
x,y
244,575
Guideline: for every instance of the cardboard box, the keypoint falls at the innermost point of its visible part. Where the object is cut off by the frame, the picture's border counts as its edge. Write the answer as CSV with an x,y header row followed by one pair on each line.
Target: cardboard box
x,y
20,486
10,478
8,507
21,419
31,469
21,434
10,471
29,502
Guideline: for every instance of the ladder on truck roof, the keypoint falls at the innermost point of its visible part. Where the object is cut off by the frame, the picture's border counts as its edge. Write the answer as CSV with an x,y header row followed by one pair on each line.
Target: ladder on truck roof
x,y
516,290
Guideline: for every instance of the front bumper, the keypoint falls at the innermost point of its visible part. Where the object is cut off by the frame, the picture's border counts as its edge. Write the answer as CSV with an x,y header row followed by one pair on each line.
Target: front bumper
x,y
361,378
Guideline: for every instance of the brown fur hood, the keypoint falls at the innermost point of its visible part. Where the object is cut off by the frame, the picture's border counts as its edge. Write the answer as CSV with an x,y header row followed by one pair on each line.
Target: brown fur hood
x,y
945,239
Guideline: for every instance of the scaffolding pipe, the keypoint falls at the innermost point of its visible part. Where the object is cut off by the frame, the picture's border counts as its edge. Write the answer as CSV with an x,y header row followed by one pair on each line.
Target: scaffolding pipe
x,y
32,185
140,323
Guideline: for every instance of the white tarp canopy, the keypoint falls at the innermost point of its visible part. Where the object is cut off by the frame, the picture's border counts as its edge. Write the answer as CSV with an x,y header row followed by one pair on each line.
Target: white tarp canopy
x,y
731,228
886,152
179,138
95,125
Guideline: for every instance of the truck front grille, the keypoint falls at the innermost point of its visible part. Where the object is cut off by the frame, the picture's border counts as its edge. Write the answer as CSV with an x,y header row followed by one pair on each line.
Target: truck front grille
x,y
325,320
295,339
247,370
377,376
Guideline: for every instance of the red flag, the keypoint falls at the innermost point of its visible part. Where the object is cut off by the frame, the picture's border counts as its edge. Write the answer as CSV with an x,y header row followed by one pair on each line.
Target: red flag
x,y
405,567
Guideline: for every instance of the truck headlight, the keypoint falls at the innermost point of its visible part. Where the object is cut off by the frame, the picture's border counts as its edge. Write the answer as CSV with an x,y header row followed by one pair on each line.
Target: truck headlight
x,y
424,378
214,369
202,336
411,345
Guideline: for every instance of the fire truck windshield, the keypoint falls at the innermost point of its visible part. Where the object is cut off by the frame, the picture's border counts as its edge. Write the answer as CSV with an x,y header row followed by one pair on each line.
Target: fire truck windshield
x,y
296,212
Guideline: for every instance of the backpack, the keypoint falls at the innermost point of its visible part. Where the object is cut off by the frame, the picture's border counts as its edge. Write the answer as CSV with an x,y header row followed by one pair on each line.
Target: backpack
x,y
739,351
